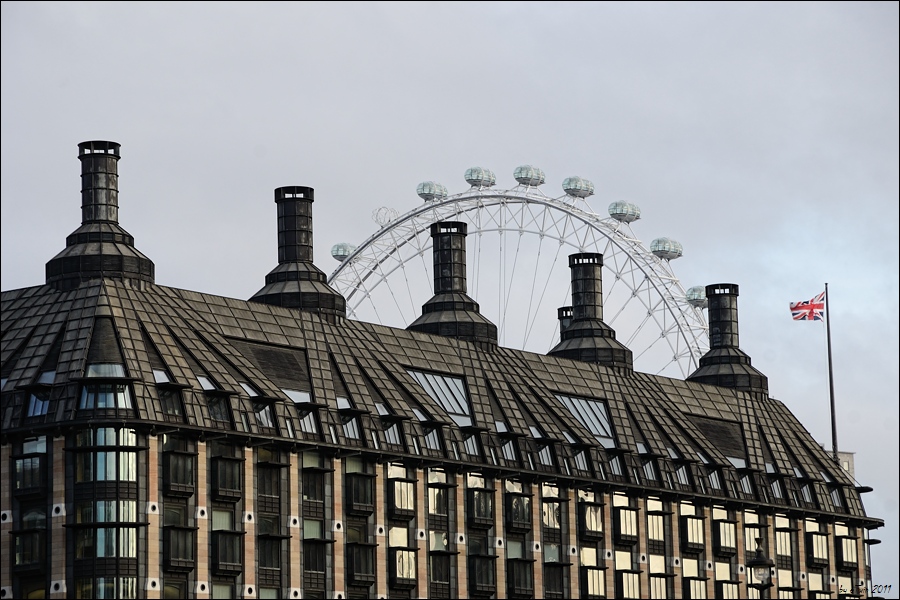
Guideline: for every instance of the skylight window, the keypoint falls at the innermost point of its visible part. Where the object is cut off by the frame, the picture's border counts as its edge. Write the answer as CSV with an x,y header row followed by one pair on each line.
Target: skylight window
x,y
105,370
739,463
251,391
297,396
205,383
449,392
47,377
594,415
160,376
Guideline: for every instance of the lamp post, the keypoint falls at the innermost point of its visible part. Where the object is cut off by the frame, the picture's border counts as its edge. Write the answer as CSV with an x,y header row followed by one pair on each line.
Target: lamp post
x,y
760,568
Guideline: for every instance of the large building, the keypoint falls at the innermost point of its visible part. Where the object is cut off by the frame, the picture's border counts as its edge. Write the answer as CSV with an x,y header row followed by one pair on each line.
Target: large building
x,y
164,443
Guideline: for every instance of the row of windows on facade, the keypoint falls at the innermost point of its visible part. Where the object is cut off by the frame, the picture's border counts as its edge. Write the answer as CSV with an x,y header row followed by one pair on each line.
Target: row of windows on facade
x,y
99,540
449,392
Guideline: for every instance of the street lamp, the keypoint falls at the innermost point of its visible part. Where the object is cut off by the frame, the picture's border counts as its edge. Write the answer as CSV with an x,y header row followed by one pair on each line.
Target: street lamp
x,y
760,567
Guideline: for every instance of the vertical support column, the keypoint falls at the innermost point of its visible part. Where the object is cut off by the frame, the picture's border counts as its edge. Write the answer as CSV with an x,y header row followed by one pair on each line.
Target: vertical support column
x,y
538,536
201,518
154,556
249,518
800,559
421,524
771,550
6,520
462,559
381,551
570,542
500,549
644,577
295,574
676,550
337,556
58,519
608,547
740,540
708,555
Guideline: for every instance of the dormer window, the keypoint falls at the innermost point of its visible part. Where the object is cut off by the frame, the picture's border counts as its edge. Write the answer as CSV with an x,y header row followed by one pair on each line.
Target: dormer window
x,y
449,393
105,370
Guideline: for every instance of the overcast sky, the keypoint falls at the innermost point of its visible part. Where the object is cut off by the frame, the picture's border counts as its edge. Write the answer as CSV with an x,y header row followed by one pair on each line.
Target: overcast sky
x,y
762,136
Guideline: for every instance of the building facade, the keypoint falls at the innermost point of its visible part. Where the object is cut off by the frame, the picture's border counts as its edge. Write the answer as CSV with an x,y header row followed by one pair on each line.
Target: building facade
x,y
165,443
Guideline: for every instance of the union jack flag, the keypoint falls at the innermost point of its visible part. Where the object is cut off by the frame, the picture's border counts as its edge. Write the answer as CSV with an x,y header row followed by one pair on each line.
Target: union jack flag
x,y
809,310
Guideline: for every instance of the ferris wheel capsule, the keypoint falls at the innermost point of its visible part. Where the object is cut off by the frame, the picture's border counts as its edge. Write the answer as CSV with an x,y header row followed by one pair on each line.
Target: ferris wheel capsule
x,y
528,175
625,212
696,296
578,187
480,178
666,249
430,191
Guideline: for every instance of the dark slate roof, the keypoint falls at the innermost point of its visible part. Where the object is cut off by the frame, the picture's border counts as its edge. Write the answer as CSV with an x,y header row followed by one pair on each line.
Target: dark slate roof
x,y
274,348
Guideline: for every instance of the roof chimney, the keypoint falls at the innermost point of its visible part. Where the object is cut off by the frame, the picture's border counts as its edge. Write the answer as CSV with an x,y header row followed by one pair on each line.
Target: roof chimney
x,y
586,337
726,364
296,282
451,312
100,248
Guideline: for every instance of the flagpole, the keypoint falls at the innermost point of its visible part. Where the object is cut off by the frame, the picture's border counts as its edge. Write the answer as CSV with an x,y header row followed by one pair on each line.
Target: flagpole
x,y
834,441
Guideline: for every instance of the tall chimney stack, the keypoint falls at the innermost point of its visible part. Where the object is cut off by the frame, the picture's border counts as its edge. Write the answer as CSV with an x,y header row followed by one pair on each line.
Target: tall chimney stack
x,y
583,334
296,282
725,364
100,248
451,312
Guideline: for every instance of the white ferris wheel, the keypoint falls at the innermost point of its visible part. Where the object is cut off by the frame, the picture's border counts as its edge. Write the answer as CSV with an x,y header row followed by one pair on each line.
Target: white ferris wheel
x,y
518,244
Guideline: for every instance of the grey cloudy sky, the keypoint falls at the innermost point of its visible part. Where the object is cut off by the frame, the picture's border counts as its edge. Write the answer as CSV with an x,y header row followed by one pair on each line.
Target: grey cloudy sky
x,y
762,136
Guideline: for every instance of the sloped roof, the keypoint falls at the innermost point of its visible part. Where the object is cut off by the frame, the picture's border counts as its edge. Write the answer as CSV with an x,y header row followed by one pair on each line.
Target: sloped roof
x,y
273,348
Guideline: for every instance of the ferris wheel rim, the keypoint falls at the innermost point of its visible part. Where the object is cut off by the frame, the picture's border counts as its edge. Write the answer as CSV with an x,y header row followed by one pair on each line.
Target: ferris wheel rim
x,y
688,322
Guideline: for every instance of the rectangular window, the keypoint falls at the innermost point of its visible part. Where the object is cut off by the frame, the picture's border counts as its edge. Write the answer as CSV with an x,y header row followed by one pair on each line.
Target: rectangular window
x,y
439,568
30,548
30,473
403,564
692,534
437,501
179,473
726,537
360,489
179,547
219,409
269,552
313,486
38,403
817,548
518,511
626,525
170,400
226,478
593,583
629,585
551,515
403,497
361,562
481,507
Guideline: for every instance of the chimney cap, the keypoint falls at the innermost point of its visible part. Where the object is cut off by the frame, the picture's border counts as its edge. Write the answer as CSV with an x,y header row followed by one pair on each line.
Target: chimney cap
x,y
585,258
722,289
445,227
294,192
99,147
